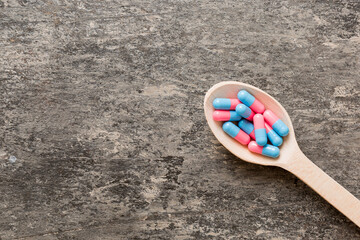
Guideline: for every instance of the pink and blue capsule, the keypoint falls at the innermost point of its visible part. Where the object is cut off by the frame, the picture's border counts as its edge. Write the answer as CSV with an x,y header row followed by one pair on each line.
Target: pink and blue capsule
x,y
260,132
225,103
274,138
247,127
221,115
267,150
236,133
276,123
244,111
250,101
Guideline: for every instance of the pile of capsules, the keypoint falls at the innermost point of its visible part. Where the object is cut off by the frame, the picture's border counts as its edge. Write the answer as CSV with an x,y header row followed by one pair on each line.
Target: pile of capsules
x,y
253,122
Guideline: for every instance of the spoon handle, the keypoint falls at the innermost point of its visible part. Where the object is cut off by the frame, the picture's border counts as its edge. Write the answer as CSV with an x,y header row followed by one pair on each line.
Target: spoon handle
x,y
326,187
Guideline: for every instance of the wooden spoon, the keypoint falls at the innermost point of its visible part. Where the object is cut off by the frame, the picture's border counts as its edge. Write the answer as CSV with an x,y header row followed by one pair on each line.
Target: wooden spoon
x,y
291,157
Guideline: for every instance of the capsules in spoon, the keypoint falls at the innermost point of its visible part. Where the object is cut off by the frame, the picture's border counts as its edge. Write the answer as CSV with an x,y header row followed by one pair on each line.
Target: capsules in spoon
x,y
246,119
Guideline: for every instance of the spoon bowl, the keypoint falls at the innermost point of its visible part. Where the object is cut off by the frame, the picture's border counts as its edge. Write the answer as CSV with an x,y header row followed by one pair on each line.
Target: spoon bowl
x,y
230,90
291,157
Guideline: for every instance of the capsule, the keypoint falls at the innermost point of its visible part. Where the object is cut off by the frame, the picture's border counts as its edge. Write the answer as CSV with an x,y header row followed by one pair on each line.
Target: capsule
x,y
250,101
236,133
221,115
267,150
225,103
247,127
244,111
260,132
276,123
274,138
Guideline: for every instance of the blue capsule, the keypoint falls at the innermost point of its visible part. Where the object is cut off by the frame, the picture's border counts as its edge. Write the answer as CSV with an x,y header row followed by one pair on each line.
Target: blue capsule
x,y
247,127
260,136
244,111
281,128
271,151
246,98
274,138
231,129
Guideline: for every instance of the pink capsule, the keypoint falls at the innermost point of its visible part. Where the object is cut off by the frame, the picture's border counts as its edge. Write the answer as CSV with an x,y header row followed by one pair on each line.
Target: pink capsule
x,y
242,138
267,150
220,115
236,133
270,117
250,101
276,123
234,103
226,103
260,132
268,128
252,135
253,147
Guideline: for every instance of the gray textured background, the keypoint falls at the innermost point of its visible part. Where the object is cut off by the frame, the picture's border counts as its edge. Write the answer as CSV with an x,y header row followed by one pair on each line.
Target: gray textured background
x,y
101,102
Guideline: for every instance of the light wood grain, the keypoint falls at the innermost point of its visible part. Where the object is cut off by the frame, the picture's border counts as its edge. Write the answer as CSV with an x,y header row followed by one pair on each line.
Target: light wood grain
x,y
291,157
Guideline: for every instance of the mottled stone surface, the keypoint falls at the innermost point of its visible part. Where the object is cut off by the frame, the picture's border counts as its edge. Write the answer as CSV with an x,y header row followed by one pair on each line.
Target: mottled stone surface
x,y
101,104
